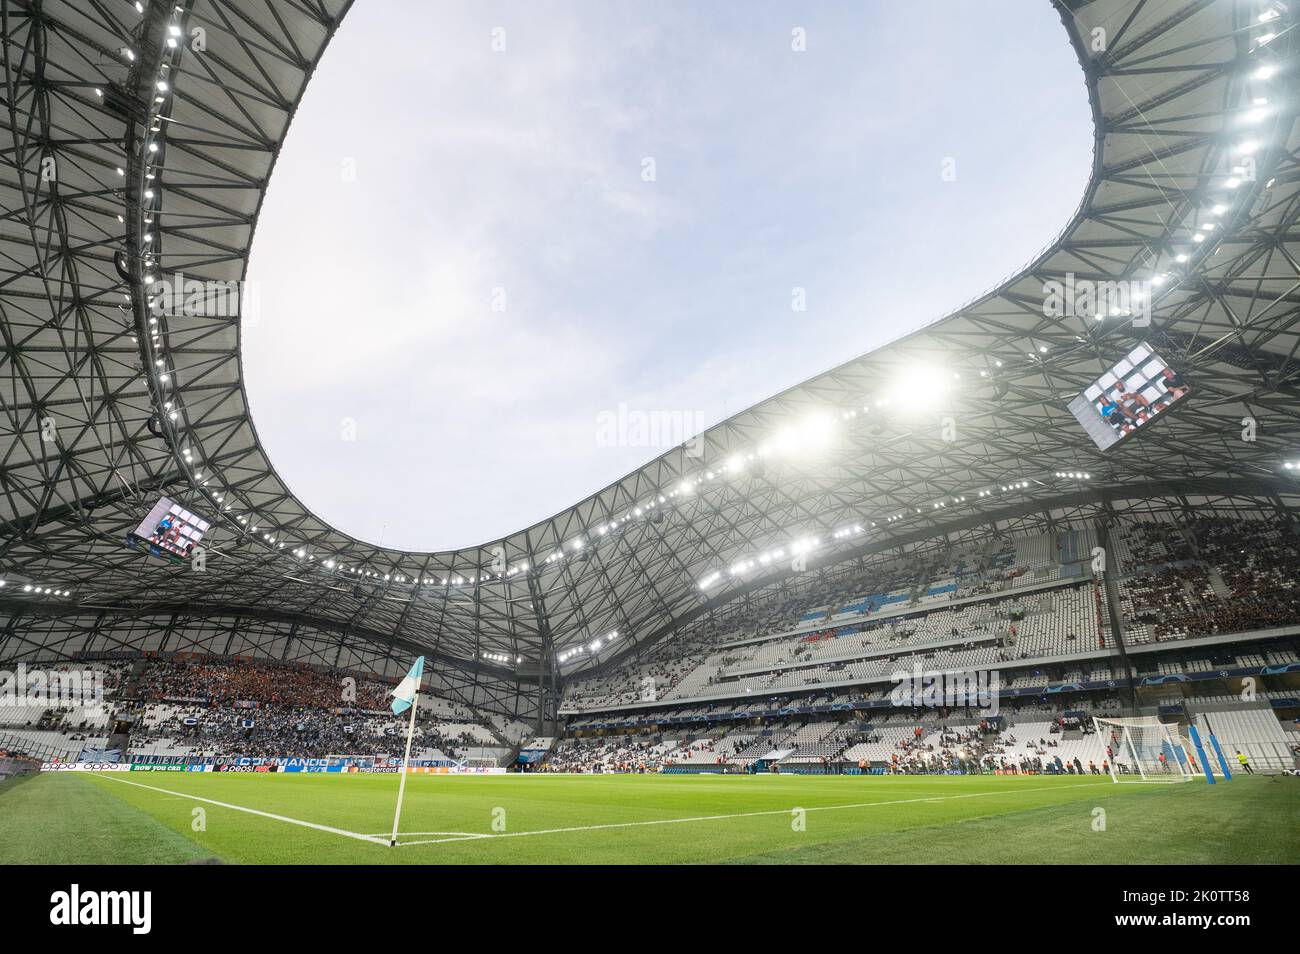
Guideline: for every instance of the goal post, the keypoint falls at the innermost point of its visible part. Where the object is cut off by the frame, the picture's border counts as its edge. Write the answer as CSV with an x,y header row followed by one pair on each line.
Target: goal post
x,y
1144,749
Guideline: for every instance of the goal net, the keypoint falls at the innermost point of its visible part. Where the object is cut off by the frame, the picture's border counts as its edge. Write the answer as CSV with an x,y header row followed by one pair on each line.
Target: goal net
x,y
1144,749
480,763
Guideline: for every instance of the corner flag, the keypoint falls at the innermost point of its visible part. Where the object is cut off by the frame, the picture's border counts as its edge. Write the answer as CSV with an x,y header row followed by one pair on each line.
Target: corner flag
x,y
404,697
405,692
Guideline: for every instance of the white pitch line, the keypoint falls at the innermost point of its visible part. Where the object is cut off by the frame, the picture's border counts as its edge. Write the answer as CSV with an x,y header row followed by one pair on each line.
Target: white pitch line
x,y
701,818
460,835
253,811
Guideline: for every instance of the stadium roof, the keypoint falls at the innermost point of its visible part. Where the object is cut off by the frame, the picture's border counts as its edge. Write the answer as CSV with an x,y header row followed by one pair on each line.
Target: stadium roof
x,y
136,148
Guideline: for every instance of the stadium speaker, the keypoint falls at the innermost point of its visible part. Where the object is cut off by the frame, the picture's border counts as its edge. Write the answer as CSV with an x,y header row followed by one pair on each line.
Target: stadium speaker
x,y
154,425
121,264
118,103
657,517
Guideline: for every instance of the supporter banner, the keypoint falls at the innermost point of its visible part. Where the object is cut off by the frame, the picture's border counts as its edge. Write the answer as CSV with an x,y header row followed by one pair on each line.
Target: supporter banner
x,y
91,754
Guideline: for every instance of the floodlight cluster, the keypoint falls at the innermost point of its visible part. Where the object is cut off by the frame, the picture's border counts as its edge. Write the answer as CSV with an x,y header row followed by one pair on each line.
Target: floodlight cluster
x,y
39,589
1218,200
807,544
592,647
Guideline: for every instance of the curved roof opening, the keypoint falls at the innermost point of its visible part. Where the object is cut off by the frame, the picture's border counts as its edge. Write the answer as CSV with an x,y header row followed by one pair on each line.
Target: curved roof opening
x,y
509,255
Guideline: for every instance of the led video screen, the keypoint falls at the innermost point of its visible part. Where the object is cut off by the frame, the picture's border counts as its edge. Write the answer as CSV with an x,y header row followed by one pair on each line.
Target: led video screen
x,y
1136,390
170,529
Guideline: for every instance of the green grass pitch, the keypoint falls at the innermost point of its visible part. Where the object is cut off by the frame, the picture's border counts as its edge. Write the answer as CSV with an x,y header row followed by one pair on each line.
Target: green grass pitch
x,y
75,818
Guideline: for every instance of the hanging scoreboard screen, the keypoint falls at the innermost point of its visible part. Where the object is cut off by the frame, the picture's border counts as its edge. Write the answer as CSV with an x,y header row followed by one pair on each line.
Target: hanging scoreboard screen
x,y
1125,400
169,530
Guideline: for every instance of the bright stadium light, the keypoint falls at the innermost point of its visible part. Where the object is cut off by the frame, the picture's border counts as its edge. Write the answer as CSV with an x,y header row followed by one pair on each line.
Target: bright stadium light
x,y
817,431
920,386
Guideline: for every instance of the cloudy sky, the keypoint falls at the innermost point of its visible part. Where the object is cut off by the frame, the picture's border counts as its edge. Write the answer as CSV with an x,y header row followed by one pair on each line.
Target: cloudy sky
x,y
493,222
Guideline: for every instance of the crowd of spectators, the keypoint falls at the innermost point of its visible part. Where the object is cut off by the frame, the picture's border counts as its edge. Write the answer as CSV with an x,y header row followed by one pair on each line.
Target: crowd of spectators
x,y
985,749
1216,575
623,753
236,707
277,730
220,681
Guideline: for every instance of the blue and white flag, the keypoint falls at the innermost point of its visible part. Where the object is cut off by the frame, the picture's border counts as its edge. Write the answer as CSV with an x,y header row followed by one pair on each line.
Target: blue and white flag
x,y
405,692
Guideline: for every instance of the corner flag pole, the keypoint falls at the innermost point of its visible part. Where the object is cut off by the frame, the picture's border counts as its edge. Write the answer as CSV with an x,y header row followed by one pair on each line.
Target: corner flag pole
x,y
406,695
406,761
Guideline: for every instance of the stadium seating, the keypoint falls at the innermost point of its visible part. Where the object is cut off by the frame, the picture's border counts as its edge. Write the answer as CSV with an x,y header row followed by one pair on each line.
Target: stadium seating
x,y
877,635
1252,730
1027,607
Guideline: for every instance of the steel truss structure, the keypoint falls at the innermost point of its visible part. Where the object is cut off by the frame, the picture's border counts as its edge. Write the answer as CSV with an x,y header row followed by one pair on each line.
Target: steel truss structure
x,y
139,140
